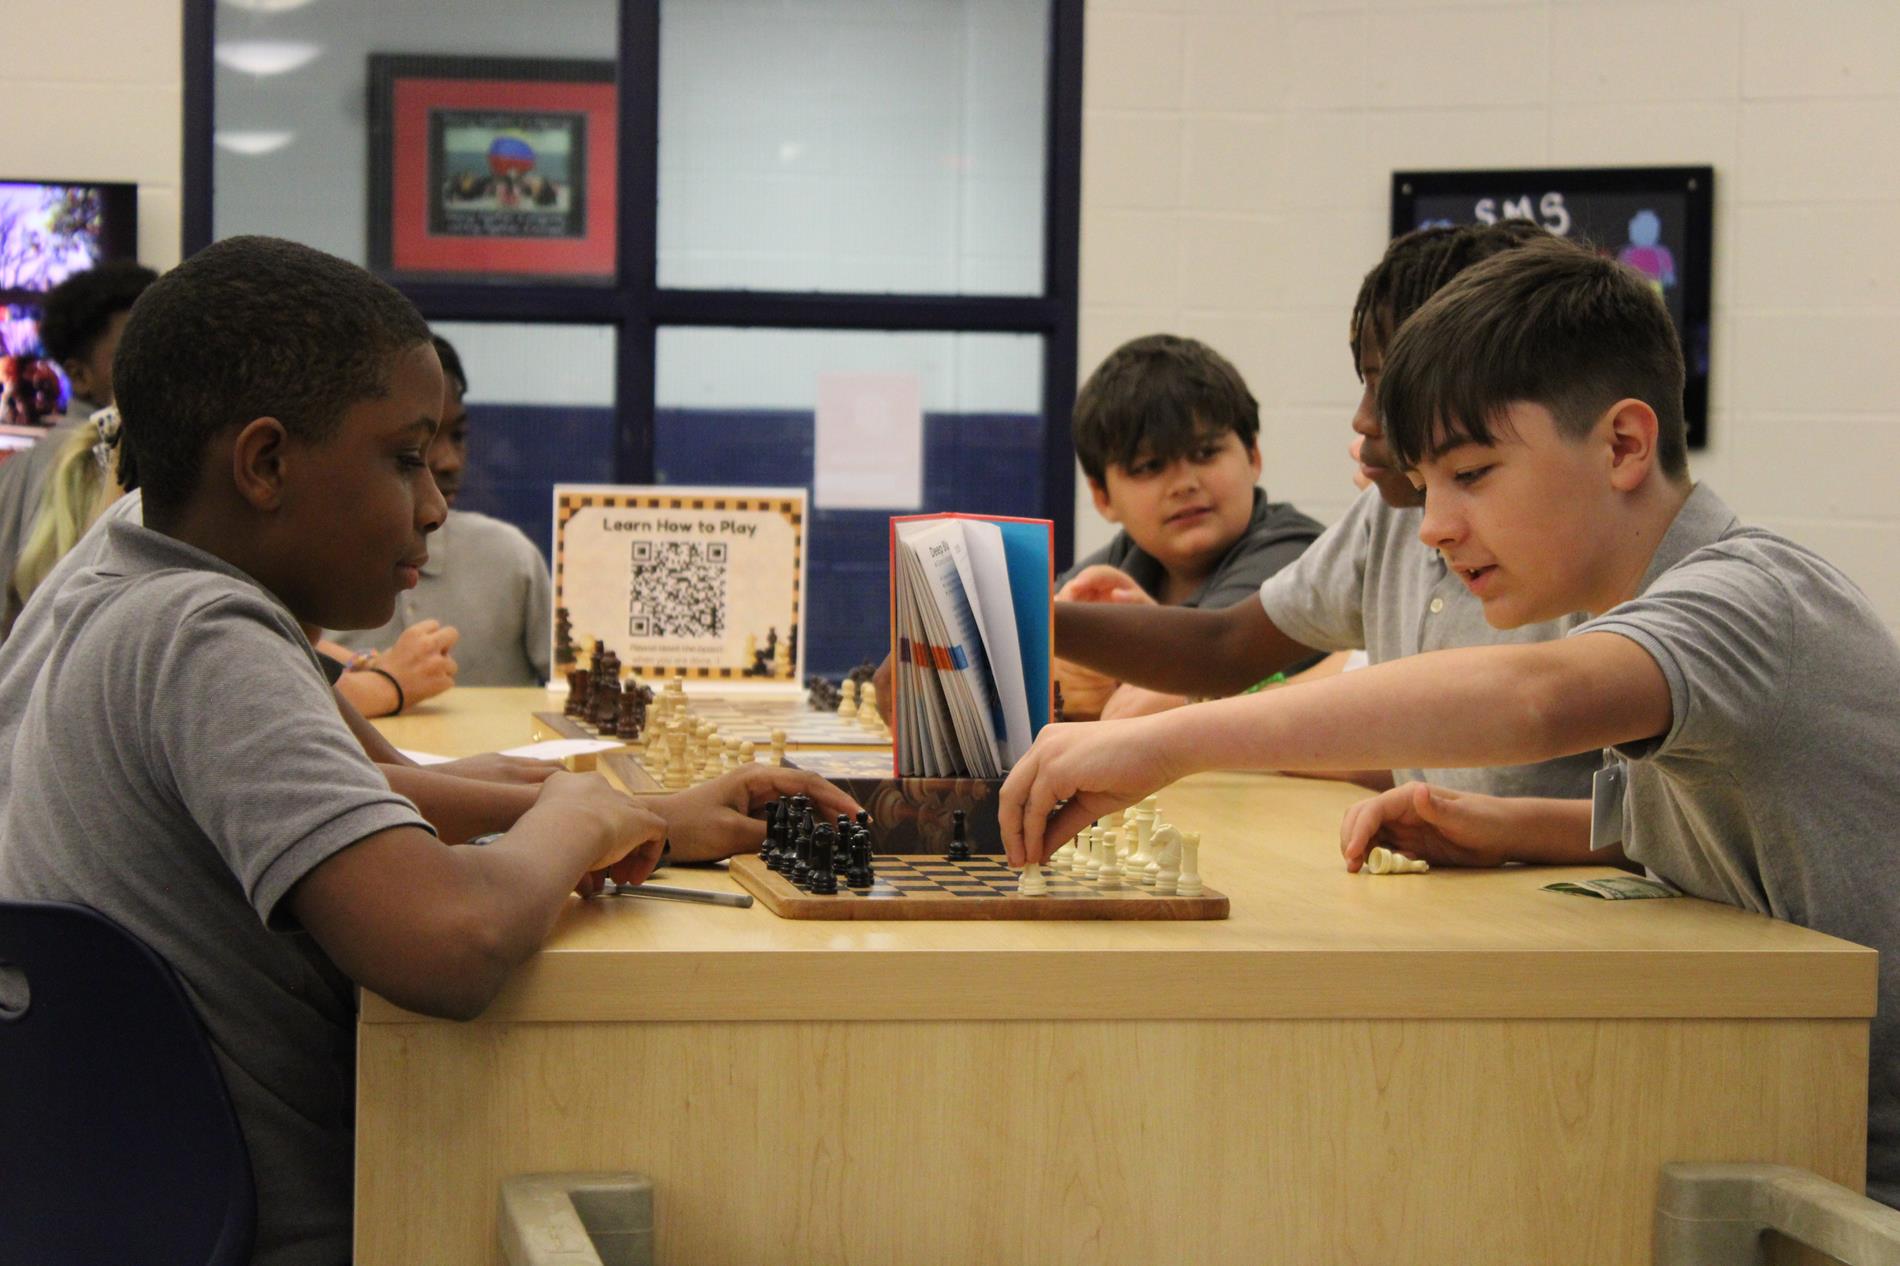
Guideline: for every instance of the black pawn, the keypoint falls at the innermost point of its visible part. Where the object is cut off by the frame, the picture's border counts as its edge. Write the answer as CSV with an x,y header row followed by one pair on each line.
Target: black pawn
x,y
823,881
858,874
959,837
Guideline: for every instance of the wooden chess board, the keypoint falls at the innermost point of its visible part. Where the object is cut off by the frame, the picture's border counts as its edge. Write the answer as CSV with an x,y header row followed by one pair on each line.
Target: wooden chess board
x,y
628,766
927,887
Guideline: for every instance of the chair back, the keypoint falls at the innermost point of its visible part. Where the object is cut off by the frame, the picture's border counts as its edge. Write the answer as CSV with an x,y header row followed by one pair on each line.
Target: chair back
x,y
118,1142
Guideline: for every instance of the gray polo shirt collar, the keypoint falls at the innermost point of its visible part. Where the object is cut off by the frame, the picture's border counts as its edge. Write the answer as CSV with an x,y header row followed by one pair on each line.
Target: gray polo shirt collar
x,y
1703,519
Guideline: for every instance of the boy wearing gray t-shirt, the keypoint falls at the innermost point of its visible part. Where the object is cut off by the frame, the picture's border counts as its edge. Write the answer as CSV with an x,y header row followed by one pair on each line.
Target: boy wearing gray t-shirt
x,y
1747,693
1367,583
176,761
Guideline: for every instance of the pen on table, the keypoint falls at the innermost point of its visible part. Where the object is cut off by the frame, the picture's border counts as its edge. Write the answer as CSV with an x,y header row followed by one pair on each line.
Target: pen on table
x,y
667,892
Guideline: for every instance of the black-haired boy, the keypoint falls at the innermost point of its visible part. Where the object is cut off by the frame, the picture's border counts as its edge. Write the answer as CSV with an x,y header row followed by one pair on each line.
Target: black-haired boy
x,y
80,324
1168,438
1367,583
1747,692
176,759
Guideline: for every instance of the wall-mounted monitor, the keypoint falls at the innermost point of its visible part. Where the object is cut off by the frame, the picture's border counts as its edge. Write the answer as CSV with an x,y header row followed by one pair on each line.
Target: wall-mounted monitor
x,y
49,230
1658,220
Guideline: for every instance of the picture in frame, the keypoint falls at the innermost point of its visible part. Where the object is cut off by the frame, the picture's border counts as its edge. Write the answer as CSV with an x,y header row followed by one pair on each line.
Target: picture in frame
x,y
489,168
1658,220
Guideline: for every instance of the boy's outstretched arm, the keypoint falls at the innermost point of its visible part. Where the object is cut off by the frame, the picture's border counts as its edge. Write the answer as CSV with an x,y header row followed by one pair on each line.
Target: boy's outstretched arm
x,y
437,930
1176,650
1498,705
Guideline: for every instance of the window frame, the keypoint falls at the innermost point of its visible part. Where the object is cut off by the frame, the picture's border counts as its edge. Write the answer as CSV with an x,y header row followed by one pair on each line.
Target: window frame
x,y
639,308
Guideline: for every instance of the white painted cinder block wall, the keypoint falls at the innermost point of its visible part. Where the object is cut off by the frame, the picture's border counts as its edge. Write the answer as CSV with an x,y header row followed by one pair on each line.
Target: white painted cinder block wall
x,y
1234,188
1235,183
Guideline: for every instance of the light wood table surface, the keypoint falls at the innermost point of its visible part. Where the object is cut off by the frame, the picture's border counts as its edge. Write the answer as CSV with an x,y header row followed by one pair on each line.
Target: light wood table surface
x,y
1454,1067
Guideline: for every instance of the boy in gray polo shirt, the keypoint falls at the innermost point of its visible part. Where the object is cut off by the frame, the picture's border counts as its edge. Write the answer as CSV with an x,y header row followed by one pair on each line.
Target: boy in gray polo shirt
x,y
1746,689
1366,584
178,763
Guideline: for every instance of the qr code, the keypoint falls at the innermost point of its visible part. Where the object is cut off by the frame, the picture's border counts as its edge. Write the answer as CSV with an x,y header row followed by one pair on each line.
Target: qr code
x,y
678,589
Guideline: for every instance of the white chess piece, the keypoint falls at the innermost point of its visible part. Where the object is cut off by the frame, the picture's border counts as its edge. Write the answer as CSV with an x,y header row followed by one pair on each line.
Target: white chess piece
x,y
848,699
1383,861
1110,876
868,715
1189,884
1104,849
1085,845
778,747
748,753
1033,882
1166,846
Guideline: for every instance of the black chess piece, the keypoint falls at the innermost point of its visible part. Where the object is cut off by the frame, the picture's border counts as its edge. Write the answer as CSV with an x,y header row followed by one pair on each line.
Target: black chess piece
x,y
800,873
858,872
959,837
771,830
1061,709
578,688
841,856
822,880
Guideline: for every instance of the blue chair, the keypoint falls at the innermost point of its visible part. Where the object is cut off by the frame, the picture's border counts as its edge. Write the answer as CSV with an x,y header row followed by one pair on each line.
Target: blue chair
x,y
117,1138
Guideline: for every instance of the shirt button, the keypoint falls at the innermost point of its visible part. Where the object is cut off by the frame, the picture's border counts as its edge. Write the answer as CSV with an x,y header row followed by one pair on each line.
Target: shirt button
x,y
1438,604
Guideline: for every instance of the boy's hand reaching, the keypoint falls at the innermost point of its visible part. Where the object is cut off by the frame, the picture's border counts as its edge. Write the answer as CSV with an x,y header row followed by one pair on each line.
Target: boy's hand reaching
x,y
1446,828
1102,583
714,819
1090,770
632,835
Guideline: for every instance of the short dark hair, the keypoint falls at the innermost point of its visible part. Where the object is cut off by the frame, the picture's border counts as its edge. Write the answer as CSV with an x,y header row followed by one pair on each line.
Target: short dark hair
x,y
79,308
247,328
1417,265
451,361
1156,396
1551,323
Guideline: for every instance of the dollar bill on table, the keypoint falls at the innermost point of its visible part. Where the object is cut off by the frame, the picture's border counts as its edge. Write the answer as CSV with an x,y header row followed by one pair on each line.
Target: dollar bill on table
x,y
1615,888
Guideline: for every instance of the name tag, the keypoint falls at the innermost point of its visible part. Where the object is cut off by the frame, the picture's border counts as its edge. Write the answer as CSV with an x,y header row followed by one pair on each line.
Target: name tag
x,y
1606,805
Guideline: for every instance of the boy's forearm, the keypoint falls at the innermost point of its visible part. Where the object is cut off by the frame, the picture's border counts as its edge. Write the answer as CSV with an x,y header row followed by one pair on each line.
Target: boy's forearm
x,y
461,808
1176,650
1500,705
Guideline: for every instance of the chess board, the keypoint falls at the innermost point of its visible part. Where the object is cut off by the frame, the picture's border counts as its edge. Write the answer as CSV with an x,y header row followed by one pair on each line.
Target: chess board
x,y
927,887
753,720
629,767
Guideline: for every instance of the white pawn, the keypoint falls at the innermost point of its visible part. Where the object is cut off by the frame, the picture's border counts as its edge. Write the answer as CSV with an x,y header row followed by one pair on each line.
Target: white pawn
x,y
1104,849
1189,884
1383,861
848,699
1167,850
1059,860
1033,883
748,753
777,749
1085,845
868,715
1110,876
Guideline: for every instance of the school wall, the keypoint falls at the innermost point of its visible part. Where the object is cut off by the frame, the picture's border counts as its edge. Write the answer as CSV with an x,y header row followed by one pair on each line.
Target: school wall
x,y
1234,188
1235,183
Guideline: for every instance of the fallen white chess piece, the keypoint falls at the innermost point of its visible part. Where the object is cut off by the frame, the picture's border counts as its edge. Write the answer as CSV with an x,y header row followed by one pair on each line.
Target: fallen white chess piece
x,y
1383,861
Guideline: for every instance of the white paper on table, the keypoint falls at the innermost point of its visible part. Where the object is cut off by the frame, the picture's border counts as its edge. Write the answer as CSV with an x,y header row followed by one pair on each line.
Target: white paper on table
x,y
423,758
869,442
561,749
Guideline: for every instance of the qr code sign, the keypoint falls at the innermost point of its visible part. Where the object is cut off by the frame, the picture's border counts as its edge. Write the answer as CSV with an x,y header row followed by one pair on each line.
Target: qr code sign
x,y
678,589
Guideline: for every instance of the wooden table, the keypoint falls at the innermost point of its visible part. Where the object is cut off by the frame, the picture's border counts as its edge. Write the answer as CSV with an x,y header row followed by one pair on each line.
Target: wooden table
x,y
1449,1068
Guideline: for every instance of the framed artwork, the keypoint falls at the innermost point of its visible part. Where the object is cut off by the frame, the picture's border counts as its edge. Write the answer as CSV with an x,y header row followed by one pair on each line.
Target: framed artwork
x,y
1658,220
487,168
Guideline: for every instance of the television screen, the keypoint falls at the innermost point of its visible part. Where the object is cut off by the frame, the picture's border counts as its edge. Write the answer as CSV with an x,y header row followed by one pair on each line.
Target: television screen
x,y
50,230
1655,219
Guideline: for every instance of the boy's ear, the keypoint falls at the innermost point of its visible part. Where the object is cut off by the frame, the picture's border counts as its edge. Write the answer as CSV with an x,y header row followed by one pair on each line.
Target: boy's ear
x,y
1103,506
1632,434
257,462
1253,459
79,374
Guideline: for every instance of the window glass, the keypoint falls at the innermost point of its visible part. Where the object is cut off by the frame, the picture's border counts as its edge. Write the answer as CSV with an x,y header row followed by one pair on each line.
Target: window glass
x,y
835,145
740,407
